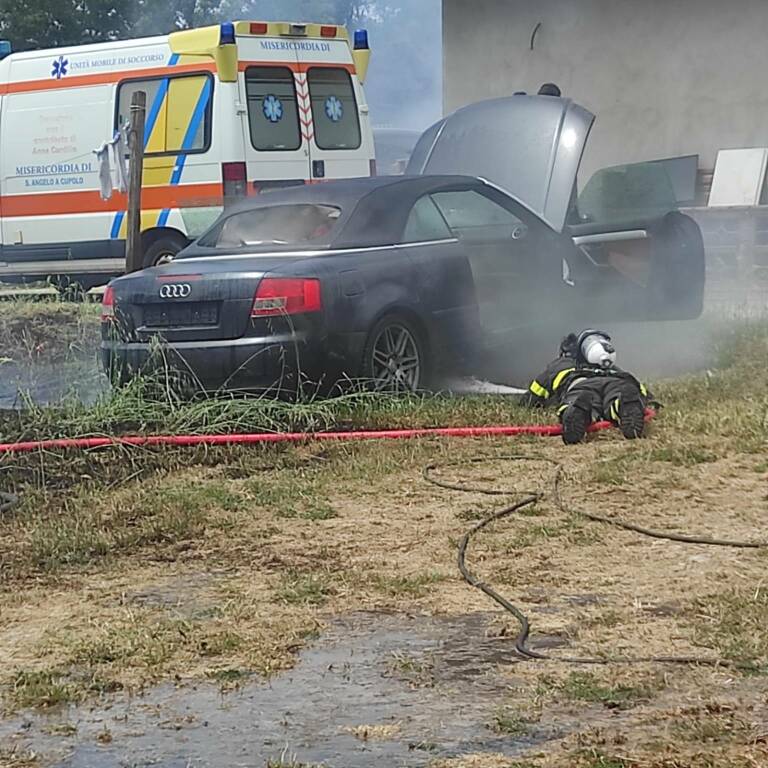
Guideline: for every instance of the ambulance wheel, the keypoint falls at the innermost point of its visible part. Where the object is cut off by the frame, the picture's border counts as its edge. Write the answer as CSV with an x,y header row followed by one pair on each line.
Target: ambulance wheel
x,y
163,250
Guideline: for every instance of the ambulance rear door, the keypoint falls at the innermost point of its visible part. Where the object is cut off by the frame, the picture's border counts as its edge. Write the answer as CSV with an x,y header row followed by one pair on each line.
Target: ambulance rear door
x,y
275,120
341,144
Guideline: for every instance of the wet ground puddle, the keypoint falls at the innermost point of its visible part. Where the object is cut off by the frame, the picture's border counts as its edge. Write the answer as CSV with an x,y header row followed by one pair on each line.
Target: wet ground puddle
x,y
46,383
434,684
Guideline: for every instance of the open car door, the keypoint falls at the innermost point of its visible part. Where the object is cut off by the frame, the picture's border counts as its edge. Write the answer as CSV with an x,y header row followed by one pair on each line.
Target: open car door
x,y
646,264
637,255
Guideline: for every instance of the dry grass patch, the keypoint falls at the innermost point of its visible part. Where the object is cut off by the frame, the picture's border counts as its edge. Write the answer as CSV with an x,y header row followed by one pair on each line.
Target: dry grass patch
x,y
375,732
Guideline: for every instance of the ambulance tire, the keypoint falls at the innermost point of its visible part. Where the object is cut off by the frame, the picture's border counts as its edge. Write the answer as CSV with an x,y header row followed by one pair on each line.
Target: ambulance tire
x,y
163,249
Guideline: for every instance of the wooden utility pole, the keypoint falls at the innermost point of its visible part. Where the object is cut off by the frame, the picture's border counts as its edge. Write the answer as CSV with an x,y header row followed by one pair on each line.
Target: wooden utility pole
x,y
133,251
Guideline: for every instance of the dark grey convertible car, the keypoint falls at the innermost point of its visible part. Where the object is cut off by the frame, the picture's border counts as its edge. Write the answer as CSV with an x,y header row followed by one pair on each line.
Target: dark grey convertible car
x,y
396,279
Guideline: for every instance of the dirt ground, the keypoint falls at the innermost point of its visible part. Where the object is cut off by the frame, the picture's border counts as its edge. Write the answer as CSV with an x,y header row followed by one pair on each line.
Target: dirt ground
x,y
231,566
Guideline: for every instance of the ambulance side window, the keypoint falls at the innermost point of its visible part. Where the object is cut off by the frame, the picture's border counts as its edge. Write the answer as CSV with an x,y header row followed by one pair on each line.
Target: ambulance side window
x,y
178,117
273,114
334,108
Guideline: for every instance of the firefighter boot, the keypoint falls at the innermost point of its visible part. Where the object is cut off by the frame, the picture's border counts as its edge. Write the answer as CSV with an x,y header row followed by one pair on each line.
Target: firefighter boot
x,y
631,419
576,418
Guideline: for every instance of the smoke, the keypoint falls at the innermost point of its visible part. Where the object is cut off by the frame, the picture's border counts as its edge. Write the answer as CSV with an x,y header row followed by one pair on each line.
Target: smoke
x,y
404,85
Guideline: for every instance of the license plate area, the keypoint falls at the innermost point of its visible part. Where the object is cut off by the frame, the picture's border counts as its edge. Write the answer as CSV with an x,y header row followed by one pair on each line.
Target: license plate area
x,y
189,314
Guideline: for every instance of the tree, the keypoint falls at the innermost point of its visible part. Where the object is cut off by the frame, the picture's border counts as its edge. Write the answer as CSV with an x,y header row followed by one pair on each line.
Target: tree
x,y
338,11
30,24
151,17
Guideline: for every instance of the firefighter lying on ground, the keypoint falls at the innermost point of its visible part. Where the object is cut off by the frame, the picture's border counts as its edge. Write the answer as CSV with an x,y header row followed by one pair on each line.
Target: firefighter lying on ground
x,y
585,386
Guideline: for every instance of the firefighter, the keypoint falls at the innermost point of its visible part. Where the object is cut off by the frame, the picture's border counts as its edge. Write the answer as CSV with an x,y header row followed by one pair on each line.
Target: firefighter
x,y
585,385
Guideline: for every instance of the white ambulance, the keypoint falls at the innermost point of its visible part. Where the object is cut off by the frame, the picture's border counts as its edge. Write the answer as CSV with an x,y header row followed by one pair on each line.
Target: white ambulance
x,y
234,109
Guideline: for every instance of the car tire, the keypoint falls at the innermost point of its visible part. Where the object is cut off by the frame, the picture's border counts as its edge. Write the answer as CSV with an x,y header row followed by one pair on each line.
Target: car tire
x,y
396,356
163,250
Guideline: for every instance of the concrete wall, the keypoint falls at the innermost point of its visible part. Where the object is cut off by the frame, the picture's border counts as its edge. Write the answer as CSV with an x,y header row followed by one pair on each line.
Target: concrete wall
x,y
664,77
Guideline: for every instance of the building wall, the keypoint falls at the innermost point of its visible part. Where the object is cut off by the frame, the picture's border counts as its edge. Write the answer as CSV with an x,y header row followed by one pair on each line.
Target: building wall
x,y
664,77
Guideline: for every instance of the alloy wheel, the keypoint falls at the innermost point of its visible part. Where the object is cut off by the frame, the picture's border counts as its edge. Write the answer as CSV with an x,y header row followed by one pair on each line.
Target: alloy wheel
x,y
396,360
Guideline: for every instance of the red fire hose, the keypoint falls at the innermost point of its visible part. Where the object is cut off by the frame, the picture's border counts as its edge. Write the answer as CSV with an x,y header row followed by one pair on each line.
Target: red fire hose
x,y
549,430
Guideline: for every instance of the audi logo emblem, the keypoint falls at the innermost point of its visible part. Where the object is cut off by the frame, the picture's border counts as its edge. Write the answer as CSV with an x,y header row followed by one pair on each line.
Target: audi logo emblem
x,y
176,291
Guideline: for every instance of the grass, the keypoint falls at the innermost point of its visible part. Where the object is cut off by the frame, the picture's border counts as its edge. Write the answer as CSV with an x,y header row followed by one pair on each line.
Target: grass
x,y
586,687
417,672
405,586
229,677
17,757
301,498
141,408
49,688
508,723
42,689
304,589
91,529
733,624
597,759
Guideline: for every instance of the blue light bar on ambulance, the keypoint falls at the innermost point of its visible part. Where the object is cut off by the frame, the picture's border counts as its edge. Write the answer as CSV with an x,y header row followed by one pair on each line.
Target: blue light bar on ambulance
x,y
361,40
227,34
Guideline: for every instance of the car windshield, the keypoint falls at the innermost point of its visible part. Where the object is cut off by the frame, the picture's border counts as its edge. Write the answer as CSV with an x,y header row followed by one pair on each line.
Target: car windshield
x,y
275,225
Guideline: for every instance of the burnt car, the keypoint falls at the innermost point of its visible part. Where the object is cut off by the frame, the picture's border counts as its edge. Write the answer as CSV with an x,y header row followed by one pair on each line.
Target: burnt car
x,y
395,280
636,255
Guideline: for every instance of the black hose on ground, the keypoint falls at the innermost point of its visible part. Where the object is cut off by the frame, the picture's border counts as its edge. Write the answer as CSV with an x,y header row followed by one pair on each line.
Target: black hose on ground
x,y
532,497
7,502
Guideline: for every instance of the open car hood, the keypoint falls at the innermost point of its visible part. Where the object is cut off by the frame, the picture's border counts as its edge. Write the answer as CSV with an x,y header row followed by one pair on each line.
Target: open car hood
x,y
530,146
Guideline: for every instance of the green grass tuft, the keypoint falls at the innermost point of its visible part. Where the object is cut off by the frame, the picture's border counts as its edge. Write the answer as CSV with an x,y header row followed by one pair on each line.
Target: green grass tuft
x,y
41,689
733,624
303,589
583,686
412,586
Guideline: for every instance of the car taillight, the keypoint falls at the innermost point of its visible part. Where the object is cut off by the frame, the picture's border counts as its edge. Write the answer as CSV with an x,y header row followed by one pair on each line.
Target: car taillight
x,y
108,305
235,178
286,296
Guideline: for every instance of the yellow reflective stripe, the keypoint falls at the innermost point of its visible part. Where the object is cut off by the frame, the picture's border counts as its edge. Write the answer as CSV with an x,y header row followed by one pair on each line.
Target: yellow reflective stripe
x,y
643,390
559,378
538,390
562,408
615,409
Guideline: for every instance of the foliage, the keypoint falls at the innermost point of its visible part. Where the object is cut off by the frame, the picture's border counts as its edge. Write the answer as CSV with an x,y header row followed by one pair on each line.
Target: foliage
x,y
31,24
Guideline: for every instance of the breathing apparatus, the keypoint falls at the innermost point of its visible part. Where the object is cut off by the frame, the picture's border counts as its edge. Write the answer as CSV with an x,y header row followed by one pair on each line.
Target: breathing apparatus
x,y
590,347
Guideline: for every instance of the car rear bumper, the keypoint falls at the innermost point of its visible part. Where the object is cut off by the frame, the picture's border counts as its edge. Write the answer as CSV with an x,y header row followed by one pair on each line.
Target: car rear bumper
x,y
263,364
